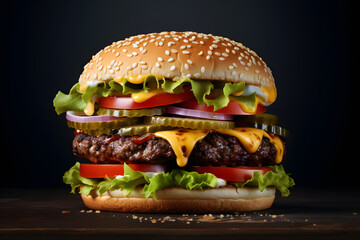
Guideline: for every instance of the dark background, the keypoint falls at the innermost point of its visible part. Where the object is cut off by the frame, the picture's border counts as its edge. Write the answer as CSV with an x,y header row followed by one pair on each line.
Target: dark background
x,y
309,45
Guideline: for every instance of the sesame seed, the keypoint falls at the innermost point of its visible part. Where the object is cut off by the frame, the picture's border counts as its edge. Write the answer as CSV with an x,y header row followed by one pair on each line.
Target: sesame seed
x,y
202,42
170,60
117,54
214,46
111,71
145,44
144,51
227,50
186,66
172,68
124,50
134,53
242,63
221,58
142,62
188,46
249,64
152,40
208,57
157,64
209,52
189,61
224,54
161,43
231,67
112,62
188,75
144,67
233,73
200,53
167,52
197,75
236,48
202,69
129,55
117,68
160,59
185,52
217,54
183,47
174,51
134,65
257,71
100,67
234,64
185,40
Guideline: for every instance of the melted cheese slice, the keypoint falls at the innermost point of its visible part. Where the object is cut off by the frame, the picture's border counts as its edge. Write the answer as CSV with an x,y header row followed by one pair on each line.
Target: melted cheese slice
x,y
270,93
144,96
182,142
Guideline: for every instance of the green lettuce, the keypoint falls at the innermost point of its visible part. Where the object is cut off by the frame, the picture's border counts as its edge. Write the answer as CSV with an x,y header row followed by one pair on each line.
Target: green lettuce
x,y
206,92
277,178
176,178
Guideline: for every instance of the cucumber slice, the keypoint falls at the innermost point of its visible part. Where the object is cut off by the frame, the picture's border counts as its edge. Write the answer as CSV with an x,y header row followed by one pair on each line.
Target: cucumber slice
x,y
132,112
192,123
104,125
264,121
138,130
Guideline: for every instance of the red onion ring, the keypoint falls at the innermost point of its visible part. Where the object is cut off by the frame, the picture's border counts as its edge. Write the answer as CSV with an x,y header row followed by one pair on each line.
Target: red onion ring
x,y
75,116
198,114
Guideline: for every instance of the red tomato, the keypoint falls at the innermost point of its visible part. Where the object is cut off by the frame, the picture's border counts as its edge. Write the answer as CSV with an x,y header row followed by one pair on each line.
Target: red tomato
x,y
89,170
232,108
157,100
238,174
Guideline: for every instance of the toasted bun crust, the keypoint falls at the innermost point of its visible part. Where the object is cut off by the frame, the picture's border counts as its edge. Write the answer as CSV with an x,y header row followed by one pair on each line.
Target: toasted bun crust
x,y
178,200
179,54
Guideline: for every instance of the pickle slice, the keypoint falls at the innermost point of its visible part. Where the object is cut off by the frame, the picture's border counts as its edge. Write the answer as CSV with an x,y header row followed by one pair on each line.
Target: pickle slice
x,y
104,125
138,130
192,123
264,121
132,112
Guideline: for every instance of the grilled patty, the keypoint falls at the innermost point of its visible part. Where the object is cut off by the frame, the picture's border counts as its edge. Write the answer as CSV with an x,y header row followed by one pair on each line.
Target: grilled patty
x,y
214,150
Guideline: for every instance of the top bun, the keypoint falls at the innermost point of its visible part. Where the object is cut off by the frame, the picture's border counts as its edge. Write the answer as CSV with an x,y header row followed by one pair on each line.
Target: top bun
x,y
179,54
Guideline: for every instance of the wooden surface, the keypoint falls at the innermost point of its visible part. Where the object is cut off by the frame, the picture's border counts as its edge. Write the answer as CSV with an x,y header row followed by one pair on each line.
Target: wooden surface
x,y
57,214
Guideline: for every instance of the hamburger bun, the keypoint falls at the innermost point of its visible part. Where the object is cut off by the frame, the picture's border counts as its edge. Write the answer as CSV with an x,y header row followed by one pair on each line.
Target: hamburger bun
x,y
179,200
174,55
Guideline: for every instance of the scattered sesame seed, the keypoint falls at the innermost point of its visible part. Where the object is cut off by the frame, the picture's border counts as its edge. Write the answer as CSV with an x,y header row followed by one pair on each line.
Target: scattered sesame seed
x,y
111,71
144,67
201,53
160,59
117,54
233,73
170,60
167,52
185,52
182,47
129,55
144,51
172,68
202,69
161,43
189,61
224,54
231,67
134,65
157,64
209,52
124,50
208,57
186,66
134,53
242,63
221,58
174,51
217,54
197,75
257,71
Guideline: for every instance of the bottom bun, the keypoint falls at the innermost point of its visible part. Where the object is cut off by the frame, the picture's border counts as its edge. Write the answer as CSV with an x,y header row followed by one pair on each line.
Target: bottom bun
x,y
179,200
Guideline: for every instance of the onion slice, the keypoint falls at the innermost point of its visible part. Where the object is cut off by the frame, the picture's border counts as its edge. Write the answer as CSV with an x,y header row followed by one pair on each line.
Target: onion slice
x,y
197,113
75,116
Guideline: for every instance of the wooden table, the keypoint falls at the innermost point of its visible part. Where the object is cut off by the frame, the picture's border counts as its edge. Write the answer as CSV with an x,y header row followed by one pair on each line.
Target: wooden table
x,y
57,214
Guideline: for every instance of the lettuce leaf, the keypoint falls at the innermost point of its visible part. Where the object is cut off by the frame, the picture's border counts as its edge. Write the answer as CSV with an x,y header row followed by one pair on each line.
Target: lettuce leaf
x,y
176,178
206,92
277,178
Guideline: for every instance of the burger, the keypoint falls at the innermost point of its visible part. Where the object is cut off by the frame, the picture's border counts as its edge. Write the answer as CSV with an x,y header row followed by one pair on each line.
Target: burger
x,y
174,122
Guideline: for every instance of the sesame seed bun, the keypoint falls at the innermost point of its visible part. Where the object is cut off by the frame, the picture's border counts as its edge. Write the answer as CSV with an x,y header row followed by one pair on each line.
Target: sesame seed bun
x,y
179,200
179,54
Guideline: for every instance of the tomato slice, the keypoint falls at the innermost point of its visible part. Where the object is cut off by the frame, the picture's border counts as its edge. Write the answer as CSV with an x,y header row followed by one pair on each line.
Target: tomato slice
x,y
157,100
89,170
238,174
232,108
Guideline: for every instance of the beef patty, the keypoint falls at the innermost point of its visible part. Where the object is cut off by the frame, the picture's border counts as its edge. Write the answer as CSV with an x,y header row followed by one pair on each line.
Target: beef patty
x,y
214,150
